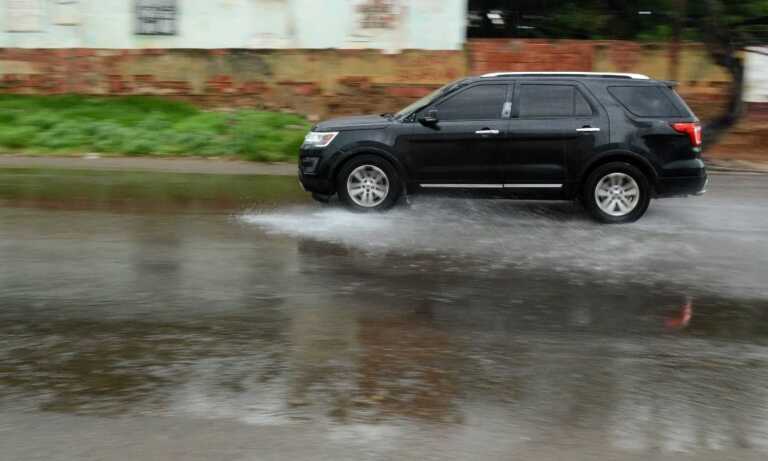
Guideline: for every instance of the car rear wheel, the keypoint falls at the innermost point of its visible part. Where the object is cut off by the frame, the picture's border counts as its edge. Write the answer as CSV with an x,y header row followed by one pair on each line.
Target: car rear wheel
x,y
368,183
617,192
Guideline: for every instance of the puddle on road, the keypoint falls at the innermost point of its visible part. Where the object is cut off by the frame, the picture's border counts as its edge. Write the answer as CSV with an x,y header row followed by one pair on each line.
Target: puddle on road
x,y
484,317
126,191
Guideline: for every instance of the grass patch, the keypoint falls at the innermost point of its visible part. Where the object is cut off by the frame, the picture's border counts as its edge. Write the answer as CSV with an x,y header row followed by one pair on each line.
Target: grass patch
x,y
140,125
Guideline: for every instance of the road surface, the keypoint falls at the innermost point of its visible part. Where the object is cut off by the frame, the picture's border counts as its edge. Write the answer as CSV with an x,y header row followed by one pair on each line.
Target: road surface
x,y
452,329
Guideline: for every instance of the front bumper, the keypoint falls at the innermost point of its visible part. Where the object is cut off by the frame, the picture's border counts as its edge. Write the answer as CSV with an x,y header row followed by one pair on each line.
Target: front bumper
x,y
315,170
313,175
316,184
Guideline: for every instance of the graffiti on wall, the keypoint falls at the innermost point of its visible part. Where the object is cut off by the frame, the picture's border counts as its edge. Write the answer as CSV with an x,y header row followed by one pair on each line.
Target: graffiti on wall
x,y
378,24
379,14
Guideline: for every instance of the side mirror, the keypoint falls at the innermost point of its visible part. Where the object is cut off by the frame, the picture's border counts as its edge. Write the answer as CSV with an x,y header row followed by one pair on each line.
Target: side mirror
x,y
430,118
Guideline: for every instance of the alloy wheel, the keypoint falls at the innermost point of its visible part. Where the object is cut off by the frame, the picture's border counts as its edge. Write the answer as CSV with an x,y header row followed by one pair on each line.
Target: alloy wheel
x,y
367,186
617,194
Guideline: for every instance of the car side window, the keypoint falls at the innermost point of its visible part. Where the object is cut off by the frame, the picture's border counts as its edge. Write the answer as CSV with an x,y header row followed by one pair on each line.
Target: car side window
x,y
552,101
580,104
645,101
482,102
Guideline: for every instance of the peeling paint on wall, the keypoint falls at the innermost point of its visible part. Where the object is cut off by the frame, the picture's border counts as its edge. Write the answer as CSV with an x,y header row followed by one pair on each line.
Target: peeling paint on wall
x,y
24,15
66,12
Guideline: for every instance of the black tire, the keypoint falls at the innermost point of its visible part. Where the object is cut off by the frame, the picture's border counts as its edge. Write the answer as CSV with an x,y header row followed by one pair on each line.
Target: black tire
x,y
322,198
394,183
590,200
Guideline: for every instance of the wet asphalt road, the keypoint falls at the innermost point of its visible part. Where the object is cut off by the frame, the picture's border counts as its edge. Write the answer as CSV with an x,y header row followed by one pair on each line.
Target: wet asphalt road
x,y
453,329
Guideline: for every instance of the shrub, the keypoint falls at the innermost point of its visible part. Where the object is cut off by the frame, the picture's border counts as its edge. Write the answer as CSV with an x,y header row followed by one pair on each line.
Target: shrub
x,y
140,125
108,137
17,137
138,146
44,119
66,135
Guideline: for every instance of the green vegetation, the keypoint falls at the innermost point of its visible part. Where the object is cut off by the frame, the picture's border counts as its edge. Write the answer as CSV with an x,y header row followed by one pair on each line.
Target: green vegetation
x,y
139,125
746,20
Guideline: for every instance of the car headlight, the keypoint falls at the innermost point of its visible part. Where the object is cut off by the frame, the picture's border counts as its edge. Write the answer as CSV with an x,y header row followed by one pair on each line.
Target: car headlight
x,y
319,138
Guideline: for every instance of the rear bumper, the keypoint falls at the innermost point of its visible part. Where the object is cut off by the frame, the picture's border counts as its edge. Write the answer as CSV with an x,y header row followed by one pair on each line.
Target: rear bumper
x,y
682,185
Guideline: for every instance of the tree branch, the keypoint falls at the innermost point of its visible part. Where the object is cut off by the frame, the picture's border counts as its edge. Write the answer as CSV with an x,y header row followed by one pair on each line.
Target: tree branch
x,y
760,52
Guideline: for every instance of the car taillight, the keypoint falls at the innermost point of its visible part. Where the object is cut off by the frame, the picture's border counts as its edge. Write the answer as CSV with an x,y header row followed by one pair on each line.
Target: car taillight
x,y
693,129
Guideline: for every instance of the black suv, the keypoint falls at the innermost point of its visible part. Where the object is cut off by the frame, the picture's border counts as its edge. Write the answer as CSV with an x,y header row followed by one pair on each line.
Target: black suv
x,y
613,141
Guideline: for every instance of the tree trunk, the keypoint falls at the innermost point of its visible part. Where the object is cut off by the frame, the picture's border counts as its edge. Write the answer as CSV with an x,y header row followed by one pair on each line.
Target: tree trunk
x,y
722,50
734,108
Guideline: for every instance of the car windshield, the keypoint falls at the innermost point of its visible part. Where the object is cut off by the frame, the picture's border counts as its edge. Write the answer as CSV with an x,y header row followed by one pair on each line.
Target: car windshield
x,y
426,100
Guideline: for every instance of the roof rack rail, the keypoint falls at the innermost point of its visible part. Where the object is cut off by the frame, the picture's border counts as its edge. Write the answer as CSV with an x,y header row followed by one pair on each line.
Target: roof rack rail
x,y
569,74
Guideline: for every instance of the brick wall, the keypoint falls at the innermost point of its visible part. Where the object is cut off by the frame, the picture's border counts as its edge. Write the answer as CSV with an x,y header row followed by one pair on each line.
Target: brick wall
x,y
489,55
323,82
314,82
702,83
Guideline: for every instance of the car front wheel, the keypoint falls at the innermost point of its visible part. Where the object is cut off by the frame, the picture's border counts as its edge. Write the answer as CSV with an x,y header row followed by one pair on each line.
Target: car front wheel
x,y
617,192
368,183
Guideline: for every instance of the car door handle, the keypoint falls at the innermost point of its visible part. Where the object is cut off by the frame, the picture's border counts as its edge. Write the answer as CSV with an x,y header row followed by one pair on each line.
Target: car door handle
x,y
487,132
587,129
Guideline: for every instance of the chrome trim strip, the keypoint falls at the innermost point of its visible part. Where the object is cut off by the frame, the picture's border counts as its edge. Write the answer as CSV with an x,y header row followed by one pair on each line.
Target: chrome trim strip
x,y
587,130
463,186
492,186
533,186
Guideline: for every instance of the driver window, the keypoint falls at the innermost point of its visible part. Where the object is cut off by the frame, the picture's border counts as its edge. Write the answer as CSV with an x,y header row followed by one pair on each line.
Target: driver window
x,y
482,102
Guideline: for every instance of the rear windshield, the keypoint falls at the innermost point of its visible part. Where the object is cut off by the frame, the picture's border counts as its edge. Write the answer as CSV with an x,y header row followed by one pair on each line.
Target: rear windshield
x,y
645,101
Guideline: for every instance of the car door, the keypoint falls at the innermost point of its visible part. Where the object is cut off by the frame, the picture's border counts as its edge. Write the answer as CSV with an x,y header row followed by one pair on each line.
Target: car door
x,y
460,150
551,123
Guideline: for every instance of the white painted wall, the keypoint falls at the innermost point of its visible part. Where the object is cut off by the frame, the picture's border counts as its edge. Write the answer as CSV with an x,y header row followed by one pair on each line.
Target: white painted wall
x,y
756,76
420,24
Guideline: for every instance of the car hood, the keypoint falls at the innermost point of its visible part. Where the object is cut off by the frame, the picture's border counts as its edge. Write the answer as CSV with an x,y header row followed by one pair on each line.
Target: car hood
x,y
353,123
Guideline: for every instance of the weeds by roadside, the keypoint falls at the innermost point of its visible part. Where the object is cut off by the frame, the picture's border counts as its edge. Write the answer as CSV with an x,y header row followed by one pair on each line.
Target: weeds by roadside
x,y
139,125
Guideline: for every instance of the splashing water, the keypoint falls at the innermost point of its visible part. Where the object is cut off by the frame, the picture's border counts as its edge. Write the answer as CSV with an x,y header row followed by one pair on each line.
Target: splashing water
x,y
680,240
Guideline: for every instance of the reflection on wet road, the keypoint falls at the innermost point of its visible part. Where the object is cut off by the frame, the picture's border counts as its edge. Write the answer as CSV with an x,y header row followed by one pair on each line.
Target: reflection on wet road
x,y
451,328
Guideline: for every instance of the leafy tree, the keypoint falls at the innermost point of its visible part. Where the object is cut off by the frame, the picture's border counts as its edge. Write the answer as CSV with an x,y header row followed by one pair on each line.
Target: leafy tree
x,y
729,28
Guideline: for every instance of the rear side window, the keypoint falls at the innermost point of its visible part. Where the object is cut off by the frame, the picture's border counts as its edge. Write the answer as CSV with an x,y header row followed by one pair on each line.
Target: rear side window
x,y
482,102
645,101
552,101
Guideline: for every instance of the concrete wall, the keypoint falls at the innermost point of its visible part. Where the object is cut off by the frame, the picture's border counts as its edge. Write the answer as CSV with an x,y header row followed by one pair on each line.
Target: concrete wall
x,y
389,25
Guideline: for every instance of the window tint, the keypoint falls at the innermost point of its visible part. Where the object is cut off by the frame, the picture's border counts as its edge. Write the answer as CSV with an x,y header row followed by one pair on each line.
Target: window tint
x,y
481,102
645,101
552,101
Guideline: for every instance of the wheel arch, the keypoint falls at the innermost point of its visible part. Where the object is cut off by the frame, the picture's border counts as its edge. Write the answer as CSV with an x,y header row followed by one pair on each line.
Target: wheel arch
x,y
349,155
640,162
